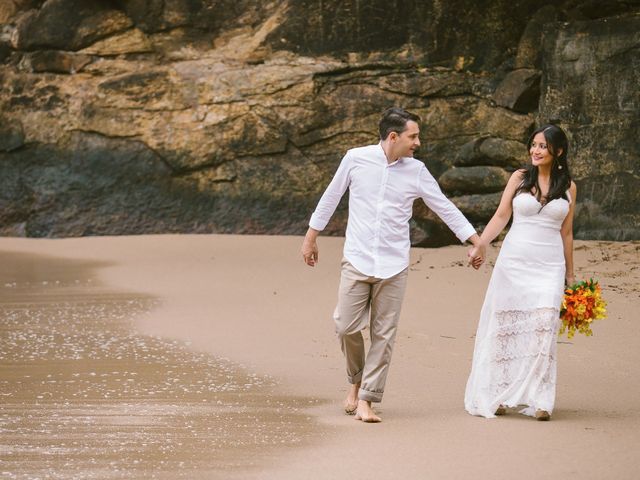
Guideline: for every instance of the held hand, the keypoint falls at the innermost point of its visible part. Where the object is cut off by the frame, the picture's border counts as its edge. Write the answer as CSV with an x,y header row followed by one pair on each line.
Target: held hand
x,y
310,252
473,260
476,256
569,281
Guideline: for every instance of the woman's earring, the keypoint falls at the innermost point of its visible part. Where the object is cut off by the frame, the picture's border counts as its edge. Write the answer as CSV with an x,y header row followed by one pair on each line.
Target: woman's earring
x,y
559,167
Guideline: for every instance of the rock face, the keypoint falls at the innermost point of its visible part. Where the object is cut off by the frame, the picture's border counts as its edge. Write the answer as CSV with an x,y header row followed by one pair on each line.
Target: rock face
x,y
476,36
11,135
519,91
591,87
145,116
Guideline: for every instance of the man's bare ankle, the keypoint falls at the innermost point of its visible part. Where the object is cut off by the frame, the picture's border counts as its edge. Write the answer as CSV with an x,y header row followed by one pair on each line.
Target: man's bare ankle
x,y
352,394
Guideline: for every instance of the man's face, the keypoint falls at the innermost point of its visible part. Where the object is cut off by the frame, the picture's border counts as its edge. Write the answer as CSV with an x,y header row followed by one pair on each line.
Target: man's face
x,y
408,141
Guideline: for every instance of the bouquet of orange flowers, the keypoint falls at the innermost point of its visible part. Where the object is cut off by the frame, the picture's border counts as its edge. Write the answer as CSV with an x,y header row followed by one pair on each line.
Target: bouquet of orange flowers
x,y
582,305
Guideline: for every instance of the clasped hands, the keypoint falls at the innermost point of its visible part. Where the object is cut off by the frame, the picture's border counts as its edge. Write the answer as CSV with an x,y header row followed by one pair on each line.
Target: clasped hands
x,y
477,255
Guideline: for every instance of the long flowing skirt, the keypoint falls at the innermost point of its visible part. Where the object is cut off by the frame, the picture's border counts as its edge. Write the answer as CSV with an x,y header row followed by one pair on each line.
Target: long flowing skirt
x,y
514,359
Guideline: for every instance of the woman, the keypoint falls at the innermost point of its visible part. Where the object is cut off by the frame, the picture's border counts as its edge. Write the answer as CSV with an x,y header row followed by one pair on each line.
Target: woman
x,y
514,361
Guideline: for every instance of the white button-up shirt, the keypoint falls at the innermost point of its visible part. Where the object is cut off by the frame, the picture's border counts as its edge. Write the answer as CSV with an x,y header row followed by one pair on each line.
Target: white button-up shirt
x,y
381,197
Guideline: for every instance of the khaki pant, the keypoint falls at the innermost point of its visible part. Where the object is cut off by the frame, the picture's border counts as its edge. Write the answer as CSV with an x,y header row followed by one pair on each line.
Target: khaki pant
x,y
362,301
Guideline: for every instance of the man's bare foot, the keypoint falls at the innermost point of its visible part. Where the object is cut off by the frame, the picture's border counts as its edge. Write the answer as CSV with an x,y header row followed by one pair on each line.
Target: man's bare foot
x,y
365,413
351,403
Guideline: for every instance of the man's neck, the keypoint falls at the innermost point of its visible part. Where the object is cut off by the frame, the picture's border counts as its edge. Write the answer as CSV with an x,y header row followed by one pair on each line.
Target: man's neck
x,y
388,151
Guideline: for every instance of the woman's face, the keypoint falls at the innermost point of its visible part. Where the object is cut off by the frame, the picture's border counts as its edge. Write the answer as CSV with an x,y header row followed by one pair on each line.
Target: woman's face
x,y
539,151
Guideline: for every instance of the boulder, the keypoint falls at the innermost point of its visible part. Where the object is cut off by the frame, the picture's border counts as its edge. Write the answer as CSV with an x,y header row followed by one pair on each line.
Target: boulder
x,y
154,16
417,235
492,151
427,230
478,208
481,179
130,41
469,154
502,152
435,167
56,61
519,91
68,25
472,118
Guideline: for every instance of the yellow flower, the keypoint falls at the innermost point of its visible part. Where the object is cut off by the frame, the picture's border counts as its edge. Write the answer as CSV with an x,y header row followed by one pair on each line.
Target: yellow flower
x,y
581,305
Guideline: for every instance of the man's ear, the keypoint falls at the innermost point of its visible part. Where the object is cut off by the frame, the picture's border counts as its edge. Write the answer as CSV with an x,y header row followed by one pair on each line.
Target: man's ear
x,y
393,136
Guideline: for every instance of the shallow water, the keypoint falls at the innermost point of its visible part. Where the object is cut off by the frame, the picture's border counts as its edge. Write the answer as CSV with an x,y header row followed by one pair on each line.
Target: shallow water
x,y
82,395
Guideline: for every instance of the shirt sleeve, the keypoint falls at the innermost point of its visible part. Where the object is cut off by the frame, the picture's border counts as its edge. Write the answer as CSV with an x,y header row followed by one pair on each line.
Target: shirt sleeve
x,y
332,195
429,191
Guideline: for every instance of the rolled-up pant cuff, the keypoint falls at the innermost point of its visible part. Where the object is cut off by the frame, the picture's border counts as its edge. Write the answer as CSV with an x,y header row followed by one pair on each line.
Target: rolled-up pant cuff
x,y
368,396
355,379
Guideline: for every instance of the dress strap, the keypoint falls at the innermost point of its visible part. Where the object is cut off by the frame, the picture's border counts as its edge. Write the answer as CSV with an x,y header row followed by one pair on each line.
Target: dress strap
x,y
568,196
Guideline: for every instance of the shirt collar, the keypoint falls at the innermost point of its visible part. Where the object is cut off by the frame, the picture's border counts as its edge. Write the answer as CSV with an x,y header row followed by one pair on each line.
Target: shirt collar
x,y
384,156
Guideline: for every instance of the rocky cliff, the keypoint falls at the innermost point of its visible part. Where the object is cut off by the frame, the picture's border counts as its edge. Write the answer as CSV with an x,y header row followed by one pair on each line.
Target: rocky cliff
x,y
141,116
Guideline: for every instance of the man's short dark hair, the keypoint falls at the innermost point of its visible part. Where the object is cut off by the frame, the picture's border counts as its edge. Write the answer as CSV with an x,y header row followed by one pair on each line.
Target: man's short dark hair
x,y
395,119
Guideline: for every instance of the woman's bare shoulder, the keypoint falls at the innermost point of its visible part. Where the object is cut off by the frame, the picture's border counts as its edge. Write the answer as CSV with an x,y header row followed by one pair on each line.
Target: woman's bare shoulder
x,y
518,176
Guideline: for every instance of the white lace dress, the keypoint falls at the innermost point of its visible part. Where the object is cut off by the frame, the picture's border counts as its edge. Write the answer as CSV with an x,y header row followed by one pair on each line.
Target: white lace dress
x,y
514,360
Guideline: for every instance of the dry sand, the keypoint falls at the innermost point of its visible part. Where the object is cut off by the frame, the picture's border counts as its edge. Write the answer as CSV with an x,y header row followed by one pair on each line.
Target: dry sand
x,y
245,308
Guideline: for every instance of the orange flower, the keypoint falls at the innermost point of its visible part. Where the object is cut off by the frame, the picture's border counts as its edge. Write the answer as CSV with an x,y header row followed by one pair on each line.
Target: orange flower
x,y
582,304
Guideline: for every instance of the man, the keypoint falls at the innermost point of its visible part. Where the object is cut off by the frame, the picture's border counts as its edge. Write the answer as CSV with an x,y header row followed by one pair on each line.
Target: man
x,y
383,182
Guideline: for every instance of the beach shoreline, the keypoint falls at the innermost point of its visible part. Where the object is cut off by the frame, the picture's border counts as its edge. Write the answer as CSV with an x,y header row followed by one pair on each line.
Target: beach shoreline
x,y
251,300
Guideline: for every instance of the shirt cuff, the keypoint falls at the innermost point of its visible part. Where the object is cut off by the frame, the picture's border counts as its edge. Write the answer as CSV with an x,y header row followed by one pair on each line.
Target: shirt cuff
x,y
465,233
317,224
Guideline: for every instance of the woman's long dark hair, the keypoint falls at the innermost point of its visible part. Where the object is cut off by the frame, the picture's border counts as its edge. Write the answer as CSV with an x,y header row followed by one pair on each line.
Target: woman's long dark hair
x,y
560,177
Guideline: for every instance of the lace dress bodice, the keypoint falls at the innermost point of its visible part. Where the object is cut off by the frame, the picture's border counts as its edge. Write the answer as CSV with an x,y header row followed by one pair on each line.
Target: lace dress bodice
x,y
529,212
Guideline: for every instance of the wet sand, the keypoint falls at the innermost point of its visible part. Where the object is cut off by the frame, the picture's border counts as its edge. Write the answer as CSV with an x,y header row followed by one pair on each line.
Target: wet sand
x,y
85,396
204,305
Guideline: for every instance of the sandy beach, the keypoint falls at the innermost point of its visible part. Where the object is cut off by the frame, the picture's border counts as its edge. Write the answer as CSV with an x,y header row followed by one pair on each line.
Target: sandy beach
x,y
226,344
